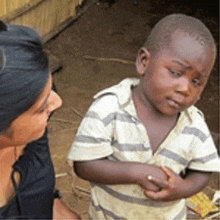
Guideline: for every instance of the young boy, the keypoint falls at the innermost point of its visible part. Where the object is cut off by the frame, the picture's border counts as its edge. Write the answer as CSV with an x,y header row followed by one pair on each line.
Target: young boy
x,y
140,135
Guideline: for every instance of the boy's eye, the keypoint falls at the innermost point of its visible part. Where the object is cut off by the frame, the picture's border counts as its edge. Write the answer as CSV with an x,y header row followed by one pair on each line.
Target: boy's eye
x,y
176,73
196,82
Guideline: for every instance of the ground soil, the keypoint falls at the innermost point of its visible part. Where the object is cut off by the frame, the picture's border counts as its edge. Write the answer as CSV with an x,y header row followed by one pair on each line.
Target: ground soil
x,y
111,31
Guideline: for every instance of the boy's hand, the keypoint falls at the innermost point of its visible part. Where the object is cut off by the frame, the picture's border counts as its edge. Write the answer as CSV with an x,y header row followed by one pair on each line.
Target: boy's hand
x,y
141,172
176,187
171,189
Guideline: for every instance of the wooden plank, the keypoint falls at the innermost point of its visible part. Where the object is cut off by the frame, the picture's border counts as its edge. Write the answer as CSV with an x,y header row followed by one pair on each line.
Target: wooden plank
x,y
66,23
20,11
48,17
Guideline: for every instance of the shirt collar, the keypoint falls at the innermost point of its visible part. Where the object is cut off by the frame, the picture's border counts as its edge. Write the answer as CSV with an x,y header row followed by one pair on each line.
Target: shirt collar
x,y
122,91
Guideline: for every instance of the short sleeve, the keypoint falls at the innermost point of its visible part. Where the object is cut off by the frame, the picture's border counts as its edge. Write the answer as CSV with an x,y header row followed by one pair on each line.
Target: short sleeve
x,y
205,156
94,136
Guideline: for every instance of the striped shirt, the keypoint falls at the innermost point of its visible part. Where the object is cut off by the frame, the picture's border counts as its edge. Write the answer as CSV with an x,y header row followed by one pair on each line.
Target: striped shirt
x,y
112,129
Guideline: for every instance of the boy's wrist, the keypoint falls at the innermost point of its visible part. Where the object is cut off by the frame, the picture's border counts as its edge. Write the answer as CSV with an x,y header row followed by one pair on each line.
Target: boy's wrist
x,y
140,173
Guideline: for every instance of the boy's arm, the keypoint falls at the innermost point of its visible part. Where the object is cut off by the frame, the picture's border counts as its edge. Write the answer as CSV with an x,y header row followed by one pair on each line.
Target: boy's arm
x,y
109,172
176,187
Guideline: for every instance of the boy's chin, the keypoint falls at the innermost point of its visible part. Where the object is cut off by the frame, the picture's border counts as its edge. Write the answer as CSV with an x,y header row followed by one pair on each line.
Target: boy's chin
x,y
169,112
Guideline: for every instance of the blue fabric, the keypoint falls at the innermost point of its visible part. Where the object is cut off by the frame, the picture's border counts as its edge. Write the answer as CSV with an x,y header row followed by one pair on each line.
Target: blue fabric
x,y
34,197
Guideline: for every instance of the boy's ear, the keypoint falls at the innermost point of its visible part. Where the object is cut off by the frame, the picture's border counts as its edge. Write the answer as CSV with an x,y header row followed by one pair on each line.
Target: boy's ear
x,y
142,60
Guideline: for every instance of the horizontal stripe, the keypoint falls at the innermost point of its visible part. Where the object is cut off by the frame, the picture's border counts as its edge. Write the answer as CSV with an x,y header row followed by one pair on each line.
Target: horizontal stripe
x,y
89,139
125,118
206,158
118,117
196,132
130,147
108,119
106,212
92,114
132,199
111,117
173,156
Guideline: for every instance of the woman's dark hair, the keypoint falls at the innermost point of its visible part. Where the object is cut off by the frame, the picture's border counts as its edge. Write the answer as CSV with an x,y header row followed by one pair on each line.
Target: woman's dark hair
x,y
23,71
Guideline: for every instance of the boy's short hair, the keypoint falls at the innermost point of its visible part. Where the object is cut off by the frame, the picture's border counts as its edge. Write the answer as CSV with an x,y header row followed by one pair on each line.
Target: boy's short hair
x,y
160,36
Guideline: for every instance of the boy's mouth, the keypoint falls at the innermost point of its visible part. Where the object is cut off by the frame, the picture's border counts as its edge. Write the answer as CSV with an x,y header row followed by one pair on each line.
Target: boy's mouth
x,y
174,103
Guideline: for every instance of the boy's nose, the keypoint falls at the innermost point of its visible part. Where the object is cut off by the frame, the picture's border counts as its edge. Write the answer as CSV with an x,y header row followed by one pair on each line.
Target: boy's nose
x,y
184,86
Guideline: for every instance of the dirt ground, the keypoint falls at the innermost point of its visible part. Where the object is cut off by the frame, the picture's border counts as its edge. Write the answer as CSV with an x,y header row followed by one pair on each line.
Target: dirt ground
x,y
111,31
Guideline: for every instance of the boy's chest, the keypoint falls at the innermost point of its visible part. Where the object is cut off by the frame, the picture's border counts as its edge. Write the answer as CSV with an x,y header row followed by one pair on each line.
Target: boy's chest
x,y
134,139
156,125
157,132
156,144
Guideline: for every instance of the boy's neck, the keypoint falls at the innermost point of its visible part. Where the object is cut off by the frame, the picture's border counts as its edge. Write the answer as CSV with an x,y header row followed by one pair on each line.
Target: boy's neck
x,y
144,107
158,125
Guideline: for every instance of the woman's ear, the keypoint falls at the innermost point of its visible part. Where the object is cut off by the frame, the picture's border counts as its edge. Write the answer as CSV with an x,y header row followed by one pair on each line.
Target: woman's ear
x,y
142,60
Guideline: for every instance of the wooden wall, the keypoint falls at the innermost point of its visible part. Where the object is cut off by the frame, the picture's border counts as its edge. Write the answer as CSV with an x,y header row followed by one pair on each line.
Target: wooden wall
x,y
45,16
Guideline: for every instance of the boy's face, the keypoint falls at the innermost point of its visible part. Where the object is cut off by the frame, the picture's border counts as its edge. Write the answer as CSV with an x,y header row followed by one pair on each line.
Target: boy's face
x,y
174,78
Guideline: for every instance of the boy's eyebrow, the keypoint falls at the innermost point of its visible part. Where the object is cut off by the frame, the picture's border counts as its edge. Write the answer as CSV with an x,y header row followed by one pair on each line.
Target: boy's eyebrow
x,y
185,65
200,75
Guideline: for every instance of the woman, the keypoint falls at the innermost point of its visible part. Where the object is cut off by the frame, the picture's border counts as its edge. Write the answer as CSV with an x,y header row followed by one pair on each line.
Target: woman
x,y
26,102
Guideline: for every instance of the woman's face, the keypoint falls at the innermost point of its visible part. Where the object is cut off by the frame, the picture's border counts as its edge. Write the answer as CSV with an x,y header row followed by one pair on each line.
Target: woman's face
x,y
31,124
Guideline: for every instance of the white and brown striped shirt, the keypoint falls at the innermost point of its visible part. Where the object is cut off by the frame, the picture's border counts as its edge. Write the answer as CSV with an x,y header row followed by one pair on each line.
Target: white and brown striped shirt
x,y
112,129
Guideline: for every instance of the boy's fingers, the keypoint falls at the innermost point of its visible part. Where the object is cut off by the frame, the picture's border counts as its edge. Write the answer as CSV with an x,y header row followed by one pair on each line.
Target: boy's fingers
x,y
159,182
167,170
150,194
154,195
